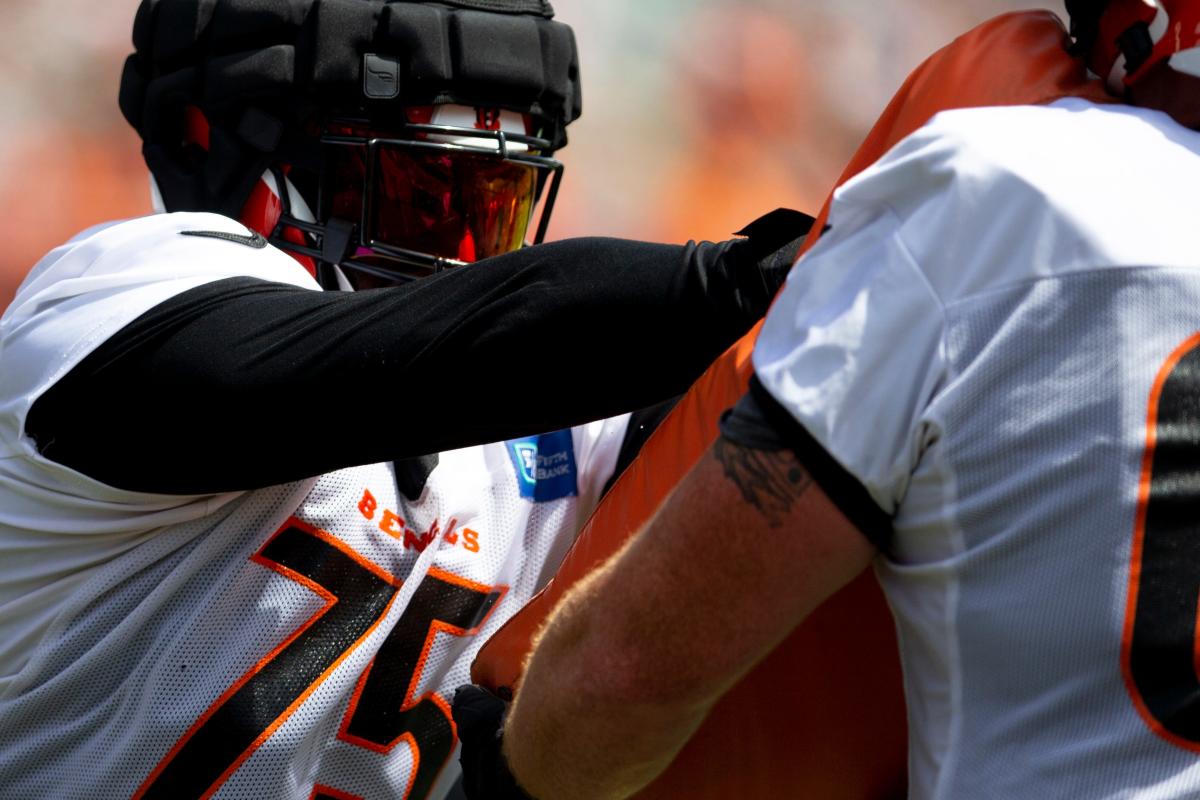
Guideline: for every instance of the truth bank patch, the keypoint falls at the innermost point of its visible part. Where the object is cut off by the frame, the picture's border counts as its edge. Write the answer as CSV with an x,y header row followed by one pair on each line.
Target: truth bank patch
x,y
545,466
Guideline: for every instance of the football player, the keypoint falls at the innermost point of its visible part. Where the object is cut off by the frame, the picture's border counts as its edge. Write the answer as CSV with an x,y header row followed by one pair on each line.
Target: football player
x,y
981,380
229,566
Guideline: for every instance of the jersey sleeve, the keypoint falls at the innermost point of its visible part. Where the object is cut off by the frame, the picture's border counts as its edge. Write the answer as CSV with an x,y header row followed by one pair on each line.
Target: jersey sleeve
x,y
853,347
76,298
84,292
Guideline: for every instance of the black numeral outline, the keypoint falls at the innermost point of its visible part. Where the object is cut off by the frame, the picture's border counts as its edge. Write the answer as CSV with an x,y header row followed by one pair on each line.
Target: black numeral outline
x,y
358,595
384,710
1160,656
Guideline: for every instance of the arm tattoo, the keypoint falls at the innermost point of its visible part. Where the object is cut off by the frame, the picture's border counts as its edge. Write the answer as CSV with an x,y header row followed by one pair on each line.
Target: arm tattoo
x,y
768,480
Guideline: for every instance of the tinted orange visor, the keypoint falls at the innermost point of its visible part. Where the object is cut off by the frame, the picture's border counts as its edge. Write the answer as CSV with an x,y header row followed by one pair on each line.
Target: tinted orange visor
x,y
458,205
421,198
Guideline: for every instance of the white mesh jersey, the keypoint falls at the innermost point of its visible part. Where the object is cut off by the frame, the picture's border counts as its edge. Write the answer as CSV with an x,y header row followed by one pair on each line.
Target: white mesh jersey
x,y
998,339
298,641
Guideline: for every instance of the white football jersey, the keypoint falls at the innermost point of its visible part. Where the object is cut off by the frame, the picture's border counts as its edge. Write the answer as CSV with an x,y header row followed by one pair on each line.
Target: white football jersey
x,y
998,337
300,641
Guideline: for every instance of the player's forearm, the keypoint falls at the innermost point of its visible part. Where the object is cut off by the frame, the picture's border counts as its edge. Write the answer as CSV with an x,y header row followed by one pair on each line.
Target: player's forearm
x,y
584,725
632,659
634,656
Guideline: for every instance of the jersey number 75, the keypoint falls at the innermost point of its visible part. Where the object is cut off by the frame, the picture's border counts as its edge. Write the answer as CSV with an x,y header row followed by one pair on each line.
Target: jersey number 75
x,y
383,711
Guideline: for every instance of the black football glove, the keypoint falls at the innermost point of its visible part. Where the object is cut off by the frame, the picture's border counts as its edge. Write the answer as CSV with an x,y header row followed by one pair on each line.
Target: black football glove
x,y
479,715
741,276
772,243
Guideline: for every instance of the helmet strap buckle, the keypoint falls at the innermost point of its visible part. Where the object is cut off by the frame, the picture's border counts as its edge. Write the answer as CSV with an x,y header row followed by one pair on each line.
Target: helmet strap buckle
x,y
335,243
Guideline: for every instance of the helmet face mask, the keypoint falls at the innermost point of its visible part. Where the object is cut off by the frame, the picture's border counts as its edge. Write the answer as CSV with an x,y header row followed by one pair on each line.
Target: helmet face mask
x,y
428,198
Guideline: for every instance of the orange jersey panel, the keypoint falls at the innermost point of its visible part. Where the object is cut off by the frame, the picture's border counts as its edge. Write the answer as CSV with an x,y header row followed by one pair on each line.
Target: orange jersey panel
x,y
823,715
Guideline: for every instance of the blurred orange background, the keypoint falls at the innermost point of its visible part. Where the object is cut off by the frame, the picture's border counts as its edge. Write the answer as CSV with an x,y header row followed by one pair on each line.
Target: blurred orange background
x,y
698,114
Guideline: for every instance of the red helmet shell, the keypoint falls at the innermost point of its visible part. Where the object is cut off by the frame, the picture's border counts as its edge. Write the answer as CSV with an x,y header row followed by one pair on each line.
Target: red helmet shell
x,y
1136,35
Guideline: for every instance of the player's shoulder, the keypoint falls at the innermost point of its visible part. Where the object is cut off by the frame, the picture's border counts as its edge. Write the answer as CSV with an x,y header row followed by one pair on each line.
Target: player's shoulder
x,y
1066,135
190,238
182,248
1037,145
1059,153
986,197
149,231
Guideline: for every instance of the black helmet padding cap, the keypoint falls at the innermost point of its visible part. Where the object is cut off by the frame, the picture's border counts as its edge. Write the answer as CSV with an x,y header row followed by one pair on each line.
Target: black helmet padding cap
x,y
261,70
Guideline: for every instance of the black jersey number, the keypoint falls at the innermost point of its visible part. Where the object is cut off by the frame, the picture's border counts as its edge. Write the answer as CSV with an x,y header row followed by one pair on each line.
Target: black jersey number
x,y
1161,648
383,711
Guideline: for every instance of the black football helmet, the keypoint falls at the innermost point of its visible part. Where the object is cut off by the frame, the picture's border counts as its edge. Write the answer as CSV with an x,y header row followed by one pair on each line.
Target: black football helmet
x,y
376,140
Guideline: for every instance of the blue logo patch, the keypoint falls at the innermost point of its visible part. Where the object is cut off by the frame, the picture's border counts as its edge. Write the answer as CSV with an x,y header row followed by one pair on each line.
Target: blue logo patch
x,y
545,466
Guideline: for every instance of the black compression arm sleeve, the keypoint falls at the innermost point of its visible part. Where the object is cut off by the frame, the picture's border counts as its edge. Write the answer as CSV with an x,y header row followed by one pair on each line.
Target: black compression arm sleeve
x,y
241,384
